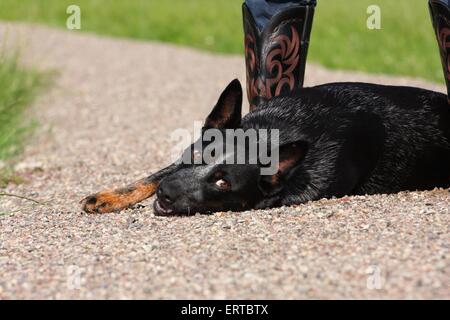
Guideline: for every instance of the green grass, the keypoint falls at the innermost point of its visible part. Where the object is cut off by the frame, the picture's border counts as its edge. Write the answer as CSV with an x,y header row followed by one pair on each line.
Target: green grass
x,y
340,39
7,176
17,88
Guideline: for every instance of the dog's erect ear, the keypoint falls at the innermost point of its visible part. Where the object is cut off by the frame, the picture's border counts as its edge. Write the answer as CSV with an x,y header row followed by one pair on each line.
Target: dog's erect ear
x,y
227,112
290,156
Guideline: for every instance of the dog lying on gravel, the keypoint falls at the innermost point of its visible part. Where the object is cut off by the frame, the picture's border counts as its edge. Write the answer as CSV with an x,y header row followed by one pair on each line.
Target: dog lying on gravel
x,y
334,140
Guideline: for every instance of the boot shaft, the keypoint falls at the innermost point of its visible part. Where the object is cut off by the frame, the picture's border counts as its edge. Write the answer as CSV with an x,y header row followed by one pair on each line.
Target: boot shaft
x,y
276,56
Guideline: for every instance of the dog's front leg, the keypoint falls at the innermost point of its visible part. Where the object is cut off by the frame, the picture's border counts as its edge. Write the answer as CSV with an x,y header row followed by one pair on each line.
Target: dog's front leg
x,y
114,200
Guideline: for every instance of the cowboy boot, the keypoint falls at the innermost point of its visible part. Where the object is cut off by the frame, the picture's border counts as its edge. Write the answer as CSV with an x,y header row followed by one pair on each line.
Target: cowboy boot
x,y
276,55
440,16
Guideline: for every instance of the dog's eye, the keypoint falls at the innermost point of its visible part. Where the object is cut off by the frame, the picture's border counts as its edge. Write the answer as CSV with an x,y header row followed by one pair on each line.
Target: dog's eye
x,y
223,185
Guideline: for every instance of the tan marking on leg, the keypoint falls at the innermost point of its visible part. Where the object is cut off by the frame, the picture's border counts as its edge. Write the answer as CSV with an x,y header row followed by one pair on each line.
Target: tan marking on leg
x,y
119,199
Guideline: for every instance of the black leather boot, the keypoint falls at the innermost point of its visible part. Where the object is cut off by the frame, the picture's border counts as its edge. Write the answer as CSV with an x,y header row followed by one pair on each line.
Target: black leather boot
x,y
440,16
276,56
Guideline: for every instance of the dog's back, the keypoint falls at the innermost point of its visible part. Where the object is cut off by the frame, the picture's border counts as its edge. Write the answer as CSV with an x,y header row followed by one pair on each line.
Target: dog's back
x,y
363,138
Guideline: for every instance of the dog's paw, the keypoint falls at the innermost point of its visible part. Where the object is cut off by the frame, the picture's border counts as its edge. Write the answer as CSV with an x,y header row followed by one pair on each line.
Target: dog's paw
x,y
119,199
104,201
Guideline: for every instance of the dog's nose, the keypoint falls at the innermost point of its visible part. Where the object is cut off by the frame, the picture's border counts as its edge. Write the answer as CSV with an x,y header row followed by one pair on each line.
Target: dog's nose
x,y
164,196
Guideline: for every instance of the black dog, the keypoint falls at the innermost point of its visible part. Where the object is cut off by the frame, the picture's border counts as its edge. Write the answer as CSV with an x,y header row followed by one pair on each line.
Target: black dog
x,y
335,139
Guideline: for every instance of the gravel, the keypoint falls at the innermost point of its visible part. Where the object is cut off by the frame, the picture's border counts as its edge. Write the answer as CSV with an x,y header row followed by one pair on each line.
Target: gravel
x,y
107,121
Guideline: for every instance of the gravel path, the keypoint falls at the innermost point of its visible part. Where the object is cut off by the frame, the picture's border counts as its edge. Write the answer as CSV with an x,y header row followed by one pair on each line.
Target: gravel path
x,y
107,122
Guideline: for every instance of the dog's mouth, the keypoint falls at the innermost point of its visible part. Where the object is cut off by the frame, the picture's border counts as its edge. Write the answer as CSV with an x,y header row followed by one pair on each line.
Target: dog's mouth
x,y
160,209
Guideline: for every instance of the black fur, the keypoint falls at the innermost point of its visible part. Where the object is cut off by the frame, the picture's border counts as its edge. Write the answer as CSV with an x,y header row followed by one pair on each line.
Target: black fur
x,y
356,138
362,138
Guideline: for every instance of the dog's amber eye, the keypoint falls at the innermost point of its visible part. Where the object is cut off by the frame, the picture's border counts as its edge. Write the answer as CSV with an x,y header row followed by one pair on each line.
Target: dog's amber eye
x,y
223,185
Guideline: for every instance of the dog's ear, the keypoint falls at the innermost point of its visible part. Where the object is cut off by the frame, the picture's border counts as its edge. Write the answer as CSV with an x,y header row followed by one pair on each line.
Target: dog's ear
x,y
227,112
290,156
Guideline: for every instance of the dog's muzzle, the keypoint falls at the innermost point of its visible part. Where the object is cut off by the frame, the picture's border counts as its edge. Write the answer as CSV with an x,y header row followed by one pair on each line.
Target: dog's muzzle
x,y
161,209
